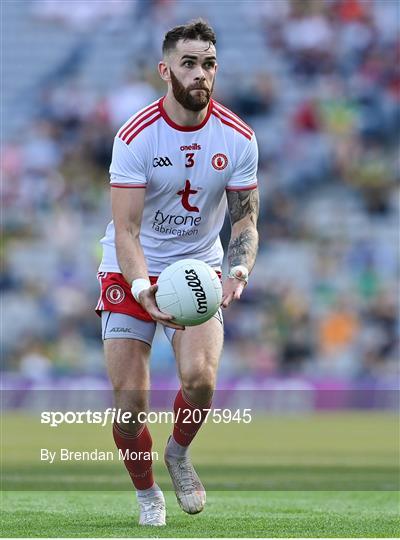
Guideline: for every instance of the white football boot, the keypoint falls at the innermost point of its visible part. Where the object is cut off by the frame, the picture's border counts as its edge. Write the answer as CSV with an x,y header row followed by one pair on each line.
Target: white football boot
x,y
189,490
151,508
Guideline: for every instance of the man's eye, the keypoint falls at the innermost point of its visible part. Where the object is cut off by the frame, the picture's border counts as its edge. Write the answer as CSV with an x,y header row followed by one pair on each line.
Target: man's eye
x,y
188,63
209,65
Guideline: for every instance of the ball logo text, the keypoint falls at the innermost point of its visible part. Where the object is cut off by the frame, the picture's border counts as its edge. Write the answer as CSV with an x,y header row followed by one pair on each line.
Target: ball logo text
x,y
195,284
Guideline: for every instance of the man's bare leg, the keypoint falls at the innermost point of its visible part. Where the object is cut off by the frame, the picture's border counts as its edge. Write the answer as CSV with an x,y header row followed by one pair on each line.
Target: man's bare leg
x,y
197,352
128,368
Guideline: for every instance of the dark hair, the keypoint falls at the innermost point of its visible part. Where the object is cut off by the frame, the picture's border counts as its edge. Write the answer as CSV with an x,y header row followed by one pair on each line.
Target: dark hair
x,y
197,29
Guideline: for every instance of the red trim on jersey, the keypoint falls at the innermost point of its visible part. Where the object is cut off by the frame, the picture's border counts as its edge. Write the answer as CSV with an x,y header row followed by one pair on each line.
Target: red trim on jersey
x,y
227,117
122,132
142,127
138,123
231,118
185,128
244,188
234,126
130,186
232,115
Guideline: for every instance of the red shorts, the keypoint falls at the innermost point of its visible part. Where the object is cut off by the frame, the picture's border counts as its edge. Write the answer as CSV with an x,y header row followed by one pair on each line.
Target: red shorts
x,y
116,295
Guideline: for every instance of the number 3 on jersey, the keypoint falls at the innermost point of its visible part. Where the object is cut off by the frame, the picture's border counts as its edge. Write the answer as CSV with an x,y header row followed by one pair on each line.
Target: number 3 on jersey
x,y
189,160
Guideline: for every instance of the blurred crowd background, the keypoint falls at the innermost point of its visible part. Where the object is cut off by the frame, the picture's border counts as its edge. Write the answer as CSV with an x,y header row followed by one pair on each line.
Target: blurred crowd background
x,y
318,80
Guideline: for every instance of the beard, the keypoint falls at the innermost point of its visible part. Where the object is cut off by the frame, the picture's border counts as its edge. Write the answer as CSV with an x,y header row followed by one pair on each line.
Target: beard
x,y
192,102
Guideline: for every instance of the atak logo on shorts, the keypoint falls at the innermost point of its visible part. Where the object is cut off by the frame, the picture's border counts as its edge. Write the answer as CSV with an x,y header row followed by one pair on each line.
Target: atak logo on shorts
x,y
219,161
161,162
120,330
115,294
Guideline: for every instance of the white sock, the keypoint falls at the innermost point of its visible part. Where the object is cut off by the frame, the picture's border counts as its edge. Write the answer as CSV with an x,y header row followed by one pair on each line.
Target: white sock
x,y
176,450
149,492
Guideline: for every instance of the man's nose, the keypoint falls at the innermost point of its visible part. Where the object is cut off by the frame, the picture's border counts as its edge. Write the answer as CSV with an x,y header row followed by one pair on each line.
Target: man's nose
x,y
199,74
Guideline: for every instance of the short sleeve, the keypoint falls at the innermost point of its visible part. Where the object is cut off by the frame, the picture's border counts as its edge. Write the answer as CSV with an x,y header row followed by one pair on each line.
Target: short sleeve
x,y
245,174
127,167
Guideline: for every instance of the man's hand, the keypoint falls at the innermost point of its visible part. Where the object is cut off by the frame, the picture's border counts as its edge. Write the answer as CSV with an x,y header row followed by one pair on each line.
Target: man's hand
x,y
147,300
231,290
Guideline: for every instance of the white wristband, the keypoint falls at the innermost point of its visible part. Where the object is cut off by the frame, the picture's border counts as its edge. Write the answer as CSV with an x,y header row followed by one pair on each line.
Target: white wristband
x,y
242,271
139,285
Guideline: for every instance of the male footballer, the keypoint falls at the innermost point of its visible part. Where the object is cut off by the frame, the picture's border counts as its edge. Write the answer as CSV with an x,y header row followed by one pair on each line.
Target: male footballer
x,y
176,164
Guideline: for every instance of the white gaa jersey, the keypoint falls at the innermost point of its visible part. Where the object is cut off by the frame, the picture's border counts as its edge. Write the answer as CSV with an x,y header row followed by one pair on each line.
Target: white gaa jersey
x,y
185,171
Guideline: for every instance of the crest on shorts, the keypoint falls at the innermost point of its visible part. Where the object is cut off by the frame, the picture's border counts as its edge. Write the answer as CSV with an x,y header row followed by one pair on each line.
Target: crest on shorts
x,y
219,161
115,294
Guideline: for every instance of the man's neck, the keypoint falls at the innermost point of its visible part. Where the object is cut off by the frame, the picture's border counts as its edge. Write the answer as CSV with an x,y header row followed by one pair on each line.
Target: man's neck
x,y
181,116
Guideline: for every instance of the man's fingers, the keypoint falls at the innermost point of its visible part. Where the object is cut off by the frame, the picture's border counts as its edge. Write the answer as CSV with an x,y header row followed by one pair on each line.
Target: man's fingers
x,y
157,314
174,326
165,318
237,294
226,300
168,321
149,304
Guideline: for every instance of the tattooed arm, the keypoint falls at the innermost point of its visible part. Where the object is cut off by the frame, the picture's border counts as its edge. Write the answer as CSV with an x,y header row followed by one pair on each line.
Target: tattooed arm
x,y
243,209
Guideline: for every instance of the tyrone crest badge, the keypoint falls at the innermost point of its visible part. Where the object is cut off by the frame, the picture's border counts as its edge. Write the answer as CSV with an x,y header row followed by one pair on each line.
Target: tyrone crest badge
x,y
115,294
219,161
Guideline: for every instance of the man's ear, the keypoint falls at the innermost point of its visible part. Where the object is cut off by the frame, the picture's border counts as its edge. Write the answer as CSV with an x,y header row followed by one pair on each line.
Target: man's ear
x,y
163,70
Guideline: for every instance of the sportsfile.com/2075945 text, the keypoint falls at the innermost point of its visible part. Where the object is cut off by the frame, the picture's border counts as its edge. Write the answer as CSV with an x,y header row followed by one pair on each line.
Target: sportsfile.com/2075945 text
x,y
111,415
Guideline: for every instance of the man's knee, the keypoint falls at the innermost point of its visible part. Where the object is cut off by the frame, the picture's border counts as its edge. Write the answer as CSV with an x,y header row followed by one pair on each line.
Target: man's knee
x,y
130,382
199,386
131,409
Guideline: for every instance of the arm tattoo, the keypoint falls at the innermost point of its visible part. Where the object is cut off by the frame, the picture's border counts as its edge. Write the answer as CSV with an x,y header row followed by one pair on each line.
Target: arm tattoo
x,y
244,242
242,204
243,248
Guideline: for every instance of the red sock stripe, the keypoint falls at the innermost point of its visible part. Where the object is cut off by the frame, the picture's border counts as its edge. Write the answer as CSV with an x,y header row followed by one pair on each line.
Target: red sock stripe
x,y
136,452
127,434
193,405
187,422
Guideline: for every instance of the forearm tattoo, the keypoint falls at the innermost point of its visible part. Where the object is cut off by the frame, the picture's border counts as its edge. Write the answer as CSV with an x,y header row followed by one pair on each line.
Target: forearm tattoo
x,y
243,246
242,204
243,249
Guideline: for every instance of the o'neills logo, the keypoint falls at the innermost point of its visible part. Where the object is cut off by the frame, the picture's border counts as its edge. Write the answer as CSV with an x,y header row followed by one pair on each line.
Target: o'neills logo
x,y
193,146
195,284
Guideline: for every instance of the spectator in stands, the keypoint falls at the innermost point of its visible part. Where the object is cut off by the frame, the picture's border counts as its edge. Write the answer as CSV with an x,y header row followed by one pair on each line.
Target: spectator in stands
x,y
326,104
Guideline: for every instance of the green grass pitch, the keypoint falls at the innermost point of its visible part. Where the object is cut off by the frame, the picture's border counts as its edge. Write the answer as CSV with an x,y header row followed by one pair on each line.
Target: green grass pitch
x,y
227,514
333,475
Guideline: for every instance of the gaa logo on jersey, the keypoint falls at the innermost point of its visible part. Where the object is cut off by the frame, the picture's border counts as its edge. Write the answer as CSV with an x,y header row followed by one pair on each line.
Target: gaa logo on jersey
x,y
219,161
115,294
161,162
